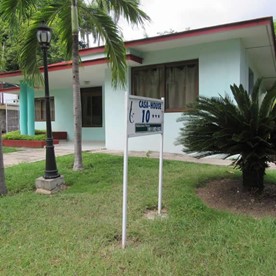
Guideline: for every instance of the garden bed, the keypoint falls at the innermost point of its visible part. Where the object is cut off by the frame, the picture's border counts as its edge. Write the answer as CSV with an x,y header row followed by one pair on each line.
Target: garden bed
x,y
26,143
16,139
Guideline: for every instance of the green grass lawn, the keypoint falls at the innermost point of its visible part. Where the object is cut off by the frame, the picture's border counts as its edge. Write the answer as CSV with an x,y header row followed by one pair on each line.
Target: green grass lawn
x,y
78,231
9,149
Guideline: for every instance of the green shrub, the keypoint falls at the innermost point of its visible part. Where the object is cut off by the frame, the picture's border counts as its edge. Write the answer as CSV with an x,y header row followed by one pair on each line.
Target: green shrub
x,y
15,135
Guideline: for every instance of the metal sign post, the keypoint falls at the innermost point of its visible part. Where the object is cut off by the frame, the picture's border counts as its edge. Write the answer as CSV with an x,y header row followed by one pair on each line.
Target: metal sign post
x,y
125,177
143,116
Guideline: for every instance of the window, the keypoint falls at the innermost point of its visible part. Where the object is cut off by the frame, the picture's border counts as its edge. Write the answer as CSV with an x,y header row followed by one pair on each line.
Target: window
x,y
250,80
91,105
40,109
177,82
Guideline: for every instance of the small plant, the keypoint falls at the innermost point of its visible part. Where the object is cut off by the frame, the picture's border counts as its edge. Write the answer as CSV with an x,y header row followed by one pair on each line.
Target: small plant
x,y
15,135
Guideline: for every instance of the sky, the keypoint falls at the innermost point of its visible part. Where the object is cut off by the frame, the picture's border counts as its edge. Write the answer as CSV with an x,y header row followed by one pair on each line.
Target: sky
x,y
178,15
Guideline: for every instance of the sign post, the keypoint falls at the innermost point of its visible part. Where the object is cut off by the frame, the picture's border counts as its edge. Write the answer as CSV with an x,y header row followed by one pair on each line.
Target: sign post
x,y
160,176
143,116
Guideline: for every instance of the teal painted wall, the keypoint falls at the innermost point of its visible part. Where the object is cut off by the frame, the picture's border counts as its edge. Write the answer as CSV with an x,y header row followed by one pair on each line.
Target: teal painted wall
x,y
27,112
64,117
23,105
219,66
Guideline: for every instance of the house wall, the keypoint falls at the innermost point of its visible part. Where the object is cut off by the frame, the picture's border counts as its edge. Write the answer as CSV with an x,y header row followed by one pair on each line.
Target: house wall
x,y
245,64
64,117
219,66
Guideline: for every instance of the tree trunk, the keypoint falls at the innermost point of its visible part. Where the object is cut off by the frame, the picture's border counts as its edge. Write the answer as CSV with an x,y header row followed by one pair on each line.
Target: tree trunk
x,y
78,165
3,189
253,179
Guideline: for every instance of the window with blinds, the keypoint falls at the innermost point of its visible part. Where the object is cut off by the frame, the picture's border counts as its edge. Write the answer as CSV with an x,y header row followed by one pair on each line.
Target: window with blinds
x,y
177,82
40,109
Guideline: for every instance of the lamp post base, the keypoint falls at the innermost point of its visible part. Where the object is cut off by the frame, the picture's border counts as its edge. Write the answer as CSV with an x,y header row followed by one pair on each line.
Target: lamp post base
x,y
49,186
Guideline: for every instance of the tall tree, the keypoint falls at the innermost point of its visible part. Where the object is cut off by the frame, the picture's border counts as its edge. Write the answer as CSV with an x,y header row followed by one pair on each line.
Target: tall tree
x,y
244,128
76,87
63,14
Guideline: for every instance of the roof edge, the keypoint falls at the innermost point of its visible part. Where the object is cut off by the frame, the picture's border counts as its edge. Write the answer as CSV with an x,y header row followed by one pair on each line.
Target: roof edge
x,y
189,33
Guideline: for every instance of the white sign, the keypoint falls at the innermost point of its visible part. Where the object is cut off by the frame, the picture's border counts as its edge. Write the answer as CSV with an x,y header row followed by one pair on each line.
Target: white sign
x,y
145,116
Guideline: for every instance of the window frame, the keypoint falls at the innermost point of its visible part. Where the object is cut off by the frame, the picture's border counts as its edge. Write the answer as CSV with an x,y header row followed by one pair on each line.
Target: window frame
x,y
42,101
94,91
163,91
251,78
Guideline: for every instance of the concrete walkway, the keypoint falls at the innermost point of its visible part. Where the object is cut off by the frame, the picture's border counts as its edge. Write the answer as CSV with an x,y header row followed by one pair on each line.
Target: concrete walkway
x,y
28,155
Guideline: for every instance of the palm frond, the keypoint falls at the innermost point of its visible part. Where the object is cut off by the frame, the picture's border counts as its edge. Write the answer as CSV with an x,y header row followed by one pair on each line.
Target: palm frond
x,y
129,9
109,32
242,99
268,102
28,57
17,11
30,47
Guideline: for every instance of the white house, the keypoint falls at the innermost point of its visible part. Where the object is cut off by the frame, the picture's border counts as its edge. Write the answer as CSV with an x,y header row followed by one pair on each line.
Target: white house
x,y
178,66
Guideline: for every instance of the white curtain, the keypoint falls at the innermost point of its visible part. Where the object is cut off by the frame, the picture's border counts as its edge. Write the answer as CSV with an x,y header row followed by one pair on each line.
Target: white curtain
x,y
148,83
181,85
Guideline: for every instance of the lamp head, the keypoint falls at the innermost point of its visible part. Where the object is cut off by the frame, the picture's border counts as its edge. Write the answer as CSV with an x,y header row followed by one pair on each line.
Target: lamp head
x,y
44,35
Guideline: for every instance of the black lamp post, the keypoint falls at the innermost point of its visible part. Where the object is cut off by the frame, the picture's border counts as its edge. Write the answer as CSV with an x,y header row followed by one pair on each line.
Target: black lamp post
x,y
44,39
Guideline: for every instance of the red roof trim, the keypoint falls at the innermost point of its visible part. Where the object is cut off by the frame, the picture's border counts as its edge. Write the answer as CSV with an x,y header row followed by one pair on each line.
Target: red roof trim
x,y
11,89
187,34
68,65
134,58
10,74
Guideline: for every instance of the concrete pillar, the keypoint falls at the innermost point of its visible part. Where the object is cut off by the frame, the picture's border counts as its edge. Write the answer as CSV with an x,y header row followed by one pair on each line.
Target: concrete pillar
x,y
23,108
30,111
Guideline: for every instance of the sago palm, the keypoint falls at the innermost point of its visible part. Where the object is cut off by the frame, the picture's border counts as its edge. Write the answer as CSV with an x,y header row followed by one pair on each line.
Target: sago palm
x,y
244,127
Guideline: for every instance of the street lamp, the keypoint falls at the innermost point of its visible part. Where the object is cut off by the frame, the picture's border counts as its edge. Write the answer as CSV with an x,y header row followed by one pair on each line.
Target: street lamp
x,y
44,38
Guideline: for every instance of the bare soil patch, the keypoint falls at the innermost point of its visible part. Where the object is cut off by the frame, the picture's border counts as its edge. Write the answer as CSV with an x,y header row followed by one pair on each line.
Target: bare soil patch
x,y
227,194
153,214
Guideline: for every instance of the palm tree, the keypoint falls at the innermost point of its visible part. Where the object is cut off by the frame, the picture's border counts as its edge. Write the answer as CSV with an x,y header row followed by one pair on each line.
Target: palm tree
x,y
65,13
244,128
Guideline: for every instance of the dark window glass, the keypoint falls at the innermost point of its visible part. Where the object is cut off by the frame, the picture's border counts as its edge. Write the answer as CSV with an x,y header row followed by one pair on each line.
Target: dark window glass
x,y
40,109
250,81
91,105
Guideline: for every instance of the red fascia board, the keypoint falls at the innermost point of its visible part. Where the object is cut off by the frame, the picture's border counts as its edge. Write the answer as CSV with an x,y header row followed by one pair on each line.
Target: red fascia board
x,y
57,66
134,58
10,74
9,90
191,33
68,65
